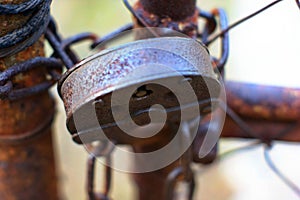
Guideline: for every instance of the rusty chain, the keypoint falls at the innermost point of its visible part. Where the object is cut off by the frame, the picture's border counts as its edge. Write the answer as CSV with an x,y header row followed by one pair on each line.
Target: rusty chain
x,y
7,91
63,55
102,150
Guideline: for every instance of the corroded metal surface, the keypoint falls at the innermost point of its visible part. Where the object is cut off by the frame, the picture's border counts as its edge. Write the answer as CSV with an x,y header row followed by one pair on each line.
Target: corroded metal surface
x,y
26,166
181,16
186,24
175,9
93,80
271,112
27,169
6,20
264,102
151,184
267,131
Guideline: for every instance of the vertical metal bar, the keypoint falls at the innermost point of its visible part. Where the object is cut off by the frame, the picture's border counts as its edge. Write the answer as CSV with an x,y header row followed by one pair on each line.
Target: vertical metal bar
x,y
151,185
179,15
27,167
182,15
90,177
175,9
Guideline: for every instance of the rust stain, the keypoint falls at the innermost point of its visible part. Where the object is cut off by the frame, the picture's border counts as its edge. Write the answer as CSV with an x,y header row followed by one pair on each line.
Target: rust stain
x,y
186,25
268,130
27,168
181,16
263,102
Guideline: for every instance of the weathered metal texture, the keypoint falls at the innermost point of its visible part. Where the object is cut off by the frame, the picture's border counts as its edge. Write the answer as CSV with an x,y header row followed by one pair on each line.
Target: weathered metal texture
x,y
266,109
184,23
116,69
27,168
267,131
175,9
264,102
11,22
160,184
181,16
151,185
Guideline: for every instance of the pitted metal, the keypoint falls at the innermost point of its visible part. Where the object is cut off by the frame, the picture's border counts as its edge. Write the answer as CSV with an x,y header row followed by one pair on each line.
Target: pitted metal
x,y
92,81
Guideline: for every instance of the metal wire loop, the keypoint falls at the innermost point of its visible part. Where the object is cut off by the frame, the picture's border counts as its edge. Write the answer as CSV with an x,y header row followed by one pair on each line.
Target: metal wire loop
x,y
62,48
241,21
111,35
285,179
223,21
21,38
20,8
7,90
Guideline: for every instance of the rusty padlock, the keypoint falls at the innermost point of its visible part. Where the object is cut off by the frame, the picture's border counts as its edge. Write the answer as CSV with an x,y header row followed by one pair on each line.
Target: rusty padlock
x,y
119,86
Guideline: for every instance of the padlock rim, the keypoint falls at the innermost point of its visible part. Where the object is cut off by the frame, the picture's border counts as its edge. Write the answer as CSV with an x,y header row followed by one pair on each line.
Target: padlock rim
x,y
110,50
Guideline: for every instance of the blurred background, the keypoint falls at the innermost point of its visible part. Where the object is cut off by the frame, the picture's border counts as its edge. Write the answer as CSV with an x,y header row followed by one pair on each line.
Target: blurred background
x,y
263,50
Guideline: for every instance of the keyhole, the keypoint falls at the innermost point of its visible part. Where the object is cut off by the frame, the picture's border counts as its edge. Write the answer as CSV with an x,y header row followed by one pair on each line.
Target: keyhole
x,y
141,93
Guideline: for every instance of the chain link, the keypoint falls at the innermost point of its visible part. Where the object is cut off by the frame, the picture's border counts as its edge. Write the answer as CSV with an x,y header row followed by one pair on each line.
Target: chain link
x,y
101,150
7,91
175,176
63,55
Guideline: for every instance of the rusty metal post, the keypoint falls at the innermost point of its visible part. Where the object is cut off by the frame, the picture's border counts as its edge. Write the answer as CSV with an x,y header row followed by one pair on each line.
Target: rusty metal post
x,y
151,185
175,9
271,112
27,167
179,15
